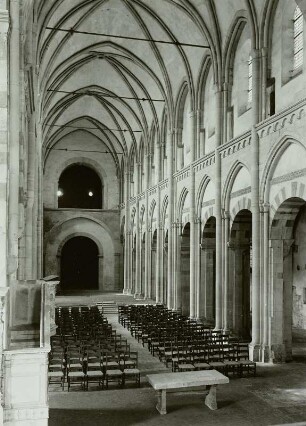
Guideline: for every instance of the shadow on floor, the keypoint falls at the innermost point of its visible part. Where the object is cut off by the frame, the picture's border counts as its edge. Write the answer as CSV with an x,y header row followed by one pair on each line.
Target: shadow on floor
x,y
111,417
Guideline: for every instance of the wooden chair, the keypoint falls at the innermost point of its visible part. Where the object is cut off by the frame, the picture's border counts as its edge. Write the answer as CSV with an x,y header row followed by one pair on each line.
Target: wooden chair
x,y
246,365
111,370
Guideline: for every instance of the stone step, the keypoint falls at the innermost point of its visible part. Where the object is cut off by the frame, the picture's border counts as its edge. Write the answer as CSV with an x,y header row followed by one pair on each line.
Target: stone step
x,y
109,307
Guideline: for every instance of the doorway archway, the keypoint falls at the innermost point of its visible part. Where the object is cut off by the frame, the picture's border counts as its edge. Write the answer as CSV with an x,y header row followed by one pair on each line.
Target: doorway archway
x,y
240,275
80,264
185,270
208,272
165,270
288,252
153,265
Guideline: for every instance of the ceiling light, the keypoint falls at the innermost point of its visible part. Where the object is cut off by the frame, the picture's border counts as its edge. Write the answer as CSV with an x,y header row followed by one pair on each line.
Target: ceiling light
x,y
60,193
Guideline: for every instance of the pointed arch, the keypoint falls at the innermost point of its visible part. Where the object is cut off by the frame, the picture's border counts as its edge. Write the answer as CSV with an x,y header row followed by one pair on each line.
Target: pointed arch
x,y
200,194
181,202
238,24
235,169
272,162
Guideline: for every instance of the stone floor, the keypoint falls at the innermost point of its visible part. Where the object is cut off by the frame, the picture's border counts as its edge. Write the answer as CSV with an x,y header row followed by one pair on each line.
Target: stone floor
x,y
277,396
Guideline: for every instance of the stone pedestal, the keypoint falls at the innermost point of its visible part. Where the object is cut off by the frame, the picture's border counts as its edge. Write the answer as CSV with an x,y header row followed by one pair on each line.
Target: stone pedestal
x,y
26,387
3,340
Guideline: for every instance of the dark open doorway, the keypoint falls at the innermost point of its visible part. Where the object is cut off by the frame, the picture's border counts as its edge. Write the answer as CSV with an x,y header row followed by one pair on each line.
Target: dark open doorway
x,y
79,265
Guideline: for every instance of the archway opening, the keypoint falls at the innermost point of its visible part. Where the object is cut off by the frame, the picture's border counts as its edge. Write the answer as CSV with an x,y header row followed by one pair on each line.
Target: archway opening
x,y
185,270
143,264
80,265
79,187
288,244
165,270
134,265
153,265
208,273
240,275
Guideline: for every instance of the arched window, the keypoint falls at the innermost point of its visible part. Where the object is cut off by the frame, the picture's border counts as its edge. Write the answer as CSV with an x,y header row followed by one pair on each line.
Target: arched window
x,y
298,38
79,187
250,80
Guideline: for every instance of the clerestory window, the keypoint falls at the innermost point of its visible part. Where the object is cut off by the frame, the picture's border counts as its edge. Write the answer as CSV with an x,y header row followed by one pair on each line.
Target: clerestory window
x,y
298,38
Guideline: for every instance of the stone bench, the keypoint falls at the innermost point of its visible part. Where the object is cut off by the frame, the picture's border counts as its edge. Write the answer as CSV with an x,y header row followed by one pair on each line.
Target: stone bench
x,y
169,381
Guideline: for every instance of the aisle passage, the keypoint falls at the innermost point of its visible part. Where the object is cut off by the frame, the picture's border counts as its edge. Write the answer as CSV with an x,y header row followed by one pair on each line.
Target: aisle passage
x,y
147,363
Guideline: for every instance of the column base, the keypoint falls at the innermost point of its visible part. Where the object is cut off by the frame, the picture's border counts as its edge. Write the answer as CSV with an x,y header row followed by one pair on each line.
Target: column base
x,y
255,352
278,353
265,354
127,292
138,296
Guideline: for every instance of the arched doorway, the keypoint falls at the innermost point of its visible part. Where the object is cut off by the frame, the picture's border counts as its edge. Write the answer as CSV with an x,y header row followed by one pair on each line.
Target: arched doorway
x,y
153,265
79,187
208,273
80,264
288,254
240,275
185,270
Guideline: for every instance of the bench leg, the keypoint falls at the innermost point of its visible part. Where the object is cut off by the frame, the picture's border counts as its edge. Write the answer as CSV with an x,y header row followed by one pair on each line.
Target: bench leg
x,y
161,402
211,398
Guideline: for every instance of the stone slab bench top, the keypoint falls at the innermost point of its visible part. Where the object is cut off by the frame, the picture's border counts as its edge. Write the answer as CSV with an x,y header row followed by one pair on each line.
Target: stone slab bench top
x,y
186,379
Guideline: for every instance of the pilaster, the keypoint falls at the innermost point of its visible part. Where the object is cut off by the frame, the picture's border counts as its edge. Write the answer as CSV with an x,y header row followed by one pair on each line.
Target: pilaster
x,y
4,25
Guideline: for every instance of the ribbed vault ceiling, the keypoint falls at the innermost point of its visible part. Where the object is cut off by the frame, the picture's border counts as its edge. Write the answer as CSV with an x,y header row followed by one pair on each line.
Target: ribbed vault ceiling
x,y
87,81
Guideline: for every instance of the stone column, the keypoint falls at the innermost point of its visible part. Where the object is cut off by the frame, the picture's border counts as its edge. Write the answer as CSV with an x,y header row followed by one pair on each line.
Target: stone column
x,y
147,241
218,324
159,252
30,224
199,134
170,151
226,220
40,213
255,344
127,236
14,129
4,24
266,299
227,130
193,241
138,234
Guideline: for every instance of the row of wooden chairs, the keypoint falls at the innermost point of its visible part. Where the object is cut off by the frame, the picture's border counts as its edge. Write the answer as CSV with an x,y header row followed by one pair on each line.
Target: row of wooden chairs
x,y
80,356
186,344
